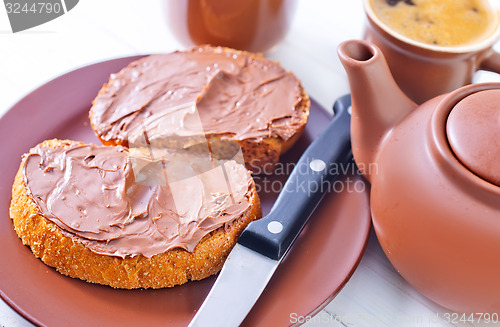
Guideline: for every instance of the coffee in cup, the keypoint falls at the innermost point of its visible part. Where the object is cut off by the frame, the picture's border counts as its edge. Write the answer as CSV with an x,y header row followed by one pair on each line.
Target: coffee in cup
x,y
434,46
447,23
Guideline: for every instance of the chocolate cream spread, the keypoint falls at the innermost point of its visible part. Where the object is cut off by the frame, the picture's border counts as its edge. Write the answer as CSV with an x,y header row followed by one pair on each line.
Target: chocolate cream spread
x,y
236,95
94,194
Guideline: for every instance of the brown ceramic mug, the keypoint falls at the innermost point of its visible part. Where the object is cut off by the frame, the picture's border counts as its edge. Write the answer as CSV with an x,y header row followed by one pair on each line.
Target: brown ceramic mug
x,y
253,25
424,70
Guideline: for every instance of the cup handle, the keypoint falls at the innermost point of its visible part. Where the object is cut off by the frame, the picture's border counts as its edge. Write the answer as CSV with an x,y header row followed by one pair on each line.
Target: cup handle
x,y
491,63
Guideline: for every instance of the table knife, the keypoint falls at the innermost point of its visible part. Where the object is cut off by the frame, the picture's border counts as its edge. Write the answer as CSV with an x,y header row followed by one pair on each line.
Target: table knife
x,y
264,243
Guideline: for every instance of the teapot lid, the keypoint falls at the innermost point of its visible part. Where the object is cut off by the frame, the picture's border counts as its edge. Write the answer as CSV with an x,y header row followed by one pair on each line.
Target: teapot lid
x,y
473,131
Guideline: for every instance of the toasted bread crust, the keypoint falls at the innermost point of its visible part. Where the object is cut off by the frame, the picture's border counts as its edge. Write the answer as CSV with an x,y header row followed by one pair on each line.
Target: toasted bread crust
x,y
71,258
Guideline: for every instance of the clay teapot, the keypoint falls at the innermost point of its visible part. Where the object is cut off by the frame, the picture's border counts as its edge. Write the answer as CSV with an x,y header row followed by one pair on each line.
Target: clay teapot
x,y
434,171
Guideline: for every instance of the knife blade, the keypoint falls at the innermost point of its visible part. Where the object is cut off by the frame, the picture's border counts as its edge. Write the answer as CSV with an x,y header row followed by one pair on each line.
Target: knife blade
x,y
265,242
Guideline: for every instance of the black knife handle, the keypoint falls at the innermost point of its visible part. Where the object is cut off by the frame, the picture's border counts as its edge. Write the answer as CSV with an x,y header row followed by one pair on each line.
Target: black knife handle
x,y
273,235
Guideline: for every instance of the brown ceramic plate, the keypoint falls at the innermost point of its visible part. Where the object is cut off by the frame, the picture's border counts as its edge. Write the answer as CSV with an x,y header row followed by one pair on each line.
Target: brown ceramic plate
x,y
319,264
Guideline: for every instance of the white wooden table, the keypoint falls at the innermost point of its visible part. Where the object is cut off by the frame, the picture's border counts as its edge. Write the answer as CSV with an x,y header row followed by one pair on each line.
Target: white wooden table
x,y
96,30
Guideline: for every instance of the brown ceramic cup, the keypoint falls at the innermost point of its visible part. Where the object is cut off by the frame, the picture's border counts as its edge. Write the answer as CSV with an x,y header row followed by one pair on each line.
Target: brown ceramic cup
x,y
253,25
424,71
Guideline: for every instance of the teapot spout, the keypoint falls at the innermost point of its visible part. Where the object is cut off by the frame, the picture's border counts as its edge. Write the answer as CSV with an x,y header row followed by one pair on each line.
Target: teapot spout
x,y
378,104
